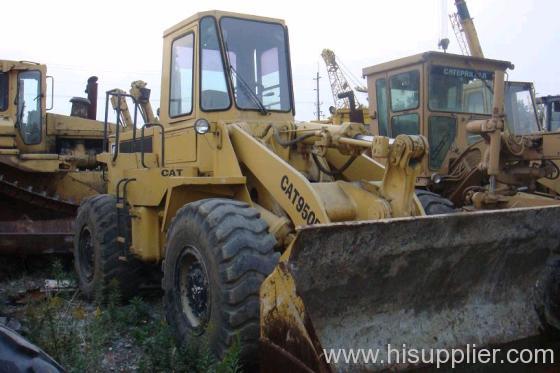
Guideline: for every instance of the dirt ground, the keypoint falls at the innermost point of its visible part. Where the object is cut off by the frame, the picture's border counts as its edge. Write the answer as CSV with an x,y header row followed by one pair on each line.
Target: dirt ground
x,y
39,300
23,293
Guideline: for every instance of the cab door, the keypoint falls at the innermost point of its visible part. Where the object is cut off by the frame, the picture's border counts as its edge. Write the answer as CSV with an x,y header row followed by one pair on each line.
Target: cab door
x,y
30,109
179,87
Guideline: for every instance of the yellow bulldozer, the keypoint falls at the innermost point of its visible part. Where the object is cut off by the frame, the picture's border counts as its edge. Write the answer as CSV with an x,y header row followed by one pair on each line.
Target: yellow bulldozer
x,y
47,160
290,236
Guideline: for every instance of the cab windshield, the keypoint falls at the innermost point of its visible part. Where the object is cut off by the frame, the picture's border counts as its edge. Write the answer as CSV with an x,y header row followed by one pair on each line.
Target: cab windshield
x,y
3,91
460,90
257,63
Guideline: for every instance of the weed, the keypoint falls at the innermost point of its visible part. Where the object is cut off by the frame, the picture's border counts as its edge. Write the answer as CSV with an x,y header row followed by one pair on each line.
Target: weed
x,y
79,339
57,271
231,363
76,344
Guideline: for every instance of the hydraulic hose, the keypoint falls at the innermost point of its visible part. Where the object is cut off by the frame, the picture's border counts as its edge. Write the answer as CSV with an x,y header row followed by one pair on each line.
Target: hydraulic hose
x,y
335,171
285,144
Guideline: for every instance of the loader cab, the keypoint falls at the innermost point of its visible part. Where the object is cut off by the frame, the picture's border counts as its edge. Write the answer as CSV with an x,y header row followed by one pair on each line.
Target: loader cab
x,y
436,94
219,67
226,66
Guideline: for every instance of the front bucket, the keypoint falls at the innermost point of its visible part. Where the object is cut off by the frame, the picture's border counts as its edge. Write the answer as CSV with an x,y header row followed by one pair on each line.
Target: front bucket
x,y
434,282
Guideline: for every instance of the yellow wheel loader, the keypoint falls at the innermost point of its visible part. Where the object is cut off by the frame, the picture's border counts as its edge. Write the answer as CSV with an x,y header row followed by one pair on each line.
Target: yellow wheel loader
x,y
290,236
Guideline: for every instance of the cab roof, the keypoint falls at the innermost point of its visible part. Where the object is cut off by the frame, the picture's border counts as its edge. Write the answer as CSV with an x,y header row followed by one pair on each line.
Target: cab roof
x,y
431,55
218,14
7,65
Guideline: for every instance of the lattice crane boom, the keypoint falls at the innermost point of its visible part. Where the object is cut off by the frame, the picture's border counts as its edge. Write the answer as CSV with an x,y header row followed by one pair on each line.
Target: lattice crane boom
x,y
465,31
339,83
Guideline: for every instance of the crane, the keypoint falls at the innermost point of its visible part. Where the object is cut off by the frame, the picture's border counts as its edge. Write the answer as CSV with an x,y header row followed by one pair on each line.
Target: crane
x,y
342,91
464,29
347,107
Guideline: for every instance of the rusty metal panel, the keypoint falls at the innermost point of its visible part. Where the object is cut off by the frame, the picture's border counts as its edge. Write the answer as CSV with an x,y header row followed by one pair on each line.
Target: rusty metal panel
x,y
432,282
551,145
34,237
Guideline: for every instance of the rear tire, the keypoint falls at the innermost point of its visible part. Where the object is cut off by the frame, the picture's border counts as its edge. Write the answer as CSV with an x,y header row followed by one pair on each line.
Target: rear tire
x,y
17,354
96,254
218,253
434,204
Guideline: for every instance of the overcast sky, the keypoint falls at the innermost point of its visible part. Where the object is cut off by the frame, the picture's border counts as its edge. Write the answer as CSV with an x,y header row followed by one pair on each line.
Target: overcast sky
x,y
120,41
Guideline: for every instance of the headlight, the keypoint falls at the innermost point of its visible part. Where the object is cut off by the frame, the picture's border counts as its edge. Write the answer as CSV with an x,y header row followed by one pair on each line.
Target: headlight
x,y
201,126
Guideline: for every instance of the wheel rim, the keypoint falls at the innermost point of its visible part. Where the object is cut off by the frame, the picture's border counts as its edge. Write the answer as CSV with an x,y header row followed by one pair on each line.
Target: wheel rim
x,y
86,257
194,288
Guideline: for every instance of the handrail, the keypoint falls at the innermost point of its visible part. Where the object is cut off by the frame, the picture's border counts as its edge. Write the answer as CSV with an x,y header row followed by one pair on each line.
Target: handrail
x,y
148,125
124,182
119,95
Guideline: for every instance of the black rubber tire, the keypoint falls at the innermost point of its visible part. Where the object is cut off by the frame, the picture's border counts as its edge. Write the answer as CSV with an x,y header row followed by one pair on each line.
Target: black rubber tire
x,y
19,355
434,204
97,216
230,241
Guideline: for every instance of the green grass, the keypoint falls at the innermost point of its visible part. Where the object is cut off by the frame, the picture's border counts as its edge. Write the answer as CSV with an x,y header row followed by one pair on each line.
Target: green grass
x,y
79,339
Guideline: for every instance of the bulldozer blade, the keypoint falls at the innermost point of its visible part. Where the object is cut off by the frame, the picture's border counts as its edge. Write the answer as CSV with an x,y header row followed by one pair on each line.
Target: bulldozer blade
x,y
431,282
28,237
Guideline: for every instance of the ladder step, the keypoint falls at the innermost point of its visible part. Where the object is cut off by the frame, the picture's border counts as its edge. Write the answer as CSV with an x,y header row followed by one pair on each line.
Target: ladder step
x,y
120,205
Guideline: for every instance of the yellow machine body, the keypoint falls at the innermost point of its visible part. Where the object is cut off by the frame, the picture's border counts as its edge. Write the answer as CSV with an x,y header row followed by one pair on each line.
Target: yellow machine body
x,y
358,254
47,162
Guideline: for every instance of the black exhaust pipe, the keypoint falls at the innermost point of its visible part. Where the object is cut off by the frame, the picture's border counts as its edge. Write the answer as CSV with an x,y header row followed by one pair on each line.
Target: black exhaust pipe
x,y
91,90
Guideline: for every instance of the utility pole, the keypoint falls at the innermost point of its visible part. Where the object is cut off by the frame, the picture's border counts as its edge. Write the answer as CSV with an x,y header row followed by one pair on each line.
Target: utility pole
x,y
318,103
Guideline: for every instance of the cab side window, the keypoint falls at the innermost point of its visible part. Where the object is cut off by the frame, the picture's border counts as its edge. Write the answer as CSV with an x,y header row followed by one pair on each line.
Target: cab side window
x,y
28,118
382,110
405,91
555,116
181,89
405,101
405,124
3,91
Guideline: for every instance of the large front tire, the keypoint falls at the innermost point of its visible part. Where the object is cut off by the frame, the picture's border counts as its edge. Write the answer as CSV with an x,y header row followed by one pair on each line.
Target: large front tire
x,y
218,253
